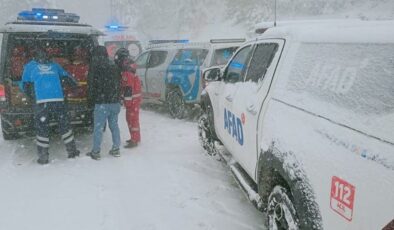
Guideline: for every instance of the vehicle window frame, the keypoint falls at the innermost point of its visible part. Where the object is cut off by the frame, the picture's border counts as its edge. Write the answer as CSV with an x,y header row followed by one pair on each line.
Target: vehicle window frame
x,y
146,61
256,46
251,52
3,56
162,60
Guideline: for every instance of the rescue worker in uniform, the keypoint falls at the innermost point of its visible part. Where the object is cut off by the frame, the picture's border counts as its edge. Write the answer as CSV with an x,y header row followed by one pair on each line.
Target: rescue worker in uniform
x,y
131,91
42,82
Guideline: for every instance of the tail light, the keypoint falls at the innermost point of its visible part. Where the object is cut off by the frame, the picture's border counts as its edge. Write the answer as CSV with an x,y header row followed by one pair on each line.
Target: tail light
x,y
2,93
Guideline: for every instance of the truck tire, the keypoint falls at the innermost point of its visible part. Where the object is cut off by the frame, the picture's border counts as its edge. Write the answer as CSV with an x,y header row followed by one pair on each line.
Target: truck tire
x,y
8,136
206,128
176,104
281,214
205,135
282,193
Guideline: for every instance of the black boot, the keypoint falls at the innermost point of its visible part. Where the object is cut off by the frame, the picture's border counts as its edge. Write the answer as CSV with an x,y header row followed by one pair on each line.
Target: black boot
x,y
74,154
43,155
130,144
72,150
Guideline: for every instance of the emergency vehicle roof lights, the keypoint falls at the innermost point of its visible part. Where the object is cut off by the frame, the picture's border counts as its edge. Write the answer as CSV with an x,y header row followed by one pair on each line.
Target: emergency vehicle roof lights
x,y
183,41
116,27
50,15
231,40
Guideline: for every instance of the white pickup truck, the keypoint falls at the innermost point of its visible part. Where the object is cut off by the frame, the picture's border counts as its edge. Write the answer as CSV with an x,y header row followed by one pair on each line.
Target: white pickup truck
x,y
307,113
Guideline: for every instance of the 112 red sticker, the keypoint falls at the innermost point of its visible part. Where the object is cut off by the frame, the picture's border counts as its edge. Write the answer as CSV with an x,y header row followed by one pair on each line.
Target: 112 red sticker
x,y
342,197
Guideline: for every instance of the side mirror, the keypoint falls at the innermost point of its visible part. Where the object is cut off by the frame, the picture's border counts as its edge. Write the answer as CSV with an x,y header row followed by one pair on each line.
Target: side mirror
x,y
212,74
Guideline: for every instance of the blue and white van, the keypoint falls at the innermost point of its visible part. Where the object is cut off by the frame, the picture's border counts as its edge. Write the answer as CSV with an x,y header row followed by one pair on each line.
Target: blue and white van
x,y
171,73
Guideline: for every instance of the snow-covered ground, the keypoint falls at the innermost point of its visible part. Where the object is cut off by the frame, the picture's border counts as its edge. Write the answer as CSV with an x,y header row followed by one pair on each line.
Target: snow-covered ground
x,y
165,183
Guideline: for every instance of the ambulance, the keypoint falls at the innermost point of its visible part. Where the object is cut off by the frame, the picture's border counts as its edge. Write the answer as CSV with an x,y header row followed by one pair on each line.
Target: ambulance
x,y
67,42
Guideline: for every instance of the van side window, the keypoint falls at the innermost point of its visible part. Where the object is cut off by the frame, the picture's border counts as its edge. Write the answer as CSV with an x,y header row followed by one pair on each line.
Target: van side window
x,y
261,60
221,56
237,67
141,60
190,57
157,58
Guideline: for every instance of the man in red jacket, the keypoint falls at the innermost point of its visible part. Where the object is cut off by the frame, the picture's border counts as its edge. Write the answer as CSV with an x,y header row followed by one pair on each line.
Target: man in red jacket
x,y
131,90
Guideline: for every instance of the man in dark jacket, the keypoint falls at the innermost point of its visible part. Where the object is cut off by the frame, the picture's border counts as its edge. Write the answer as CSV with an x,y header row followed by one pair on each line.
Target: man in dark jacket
x,y
42,82
104,93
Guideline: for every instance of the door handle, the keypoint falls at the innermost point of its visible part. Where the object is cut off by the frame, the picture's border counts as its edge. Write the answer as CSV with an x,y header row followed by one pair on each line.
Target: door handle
x,y
162,73
251,109
229,98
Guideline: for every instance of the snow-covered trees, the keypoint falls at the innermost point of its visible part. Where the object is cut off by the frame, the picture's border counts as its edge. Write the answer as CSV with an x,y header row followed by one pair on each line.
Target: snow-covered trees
x,y
167,19
178,18
171,19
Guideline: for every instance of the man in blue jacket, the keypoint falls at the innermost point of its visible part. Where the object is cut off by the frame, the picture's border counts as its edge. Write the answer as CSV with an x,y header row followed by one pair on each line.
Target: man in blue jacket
x,y
42,81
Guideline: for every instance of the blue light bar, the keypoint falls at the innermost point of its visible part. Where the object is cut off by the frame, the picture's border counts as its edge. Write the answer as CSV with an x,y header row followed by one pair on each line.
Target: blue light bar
x,y
116,27
51,15
184,41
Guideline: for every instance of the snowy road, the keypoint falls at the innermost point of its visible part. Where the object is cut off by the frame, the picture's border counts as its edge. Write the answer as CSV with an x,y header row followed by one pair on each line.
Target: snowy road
x,y
165,183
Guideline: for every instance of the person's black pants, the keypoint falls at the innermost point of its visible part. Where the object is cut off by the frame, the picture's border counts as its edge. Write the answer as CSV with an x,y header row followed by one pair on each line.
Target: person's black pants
x,y
44,113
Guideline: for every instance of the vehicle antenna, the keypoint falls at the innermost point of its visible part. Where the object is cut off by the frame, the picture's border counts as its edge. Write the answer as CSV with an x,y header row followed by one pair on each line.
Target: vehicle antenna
x,y
275,14
111,9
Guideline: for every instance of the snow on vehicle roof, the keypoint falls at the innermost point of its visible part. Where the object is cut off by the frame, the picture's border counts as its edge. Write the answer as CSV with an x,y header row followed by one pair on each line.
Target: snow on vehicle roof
x,y
194,45
326,55
225,45
342,31
191,45
43,27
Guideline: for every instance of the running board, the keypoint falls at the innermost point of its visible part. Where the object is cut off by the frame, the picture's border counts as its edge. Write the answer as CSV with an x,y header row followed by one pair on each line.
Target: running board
x,y
243,179
247,185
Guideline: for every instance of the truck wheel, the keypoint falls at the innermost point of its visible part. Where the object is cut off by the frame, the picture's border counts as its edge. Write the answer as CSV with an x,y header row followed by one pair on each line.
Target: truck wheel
x,y
286,193
176,105
281,213
9,136
205,135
